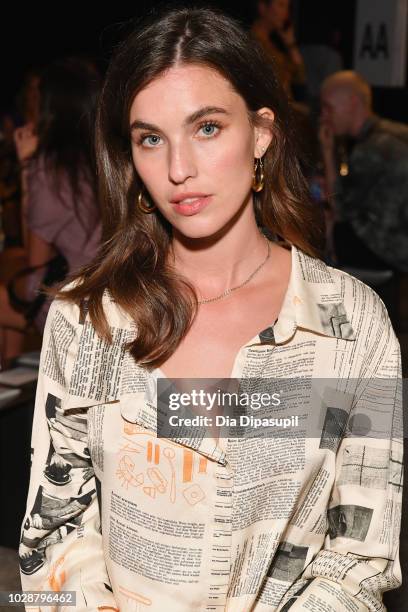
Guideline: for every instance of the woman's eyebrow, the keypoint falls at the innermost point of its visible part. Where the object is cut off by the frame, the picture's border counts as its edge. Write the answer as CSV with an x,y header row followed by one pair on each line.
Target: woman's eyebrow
x,y
198,114
201,112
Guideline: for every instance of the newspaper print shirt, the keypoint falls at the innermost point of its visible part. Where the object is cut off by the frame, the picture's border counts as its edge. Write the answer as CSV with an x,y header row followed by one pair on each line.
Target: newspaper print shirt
x,y
133,522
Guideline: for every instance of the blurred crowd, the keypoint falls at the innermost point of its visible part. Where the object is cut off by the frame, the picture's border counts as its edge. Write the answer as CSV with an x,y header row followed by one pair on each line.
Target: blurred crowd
x,y
356,163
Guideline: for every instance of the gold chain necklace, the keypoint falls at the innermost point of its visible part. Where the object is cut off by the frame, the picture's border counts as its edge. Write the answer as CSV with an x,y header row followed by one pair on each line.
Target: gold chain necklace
x,y
250,277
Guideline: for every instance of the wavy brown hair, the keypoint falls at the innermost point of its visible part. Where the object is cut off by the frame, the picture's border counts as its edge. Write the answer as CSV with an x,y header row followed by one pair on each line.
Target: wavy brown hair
x,y
132,262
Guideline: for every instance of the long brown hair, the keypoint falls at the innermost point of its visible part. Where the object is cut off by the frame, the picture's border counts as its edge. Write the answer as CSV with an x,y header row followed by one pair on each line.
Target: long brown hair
x,y
69,89
131,264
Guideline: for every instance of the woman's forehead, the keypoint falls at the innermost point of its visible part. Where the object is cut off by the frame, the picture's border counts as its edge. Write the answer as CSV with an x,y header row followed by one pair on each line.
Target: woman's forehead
x,y
185,87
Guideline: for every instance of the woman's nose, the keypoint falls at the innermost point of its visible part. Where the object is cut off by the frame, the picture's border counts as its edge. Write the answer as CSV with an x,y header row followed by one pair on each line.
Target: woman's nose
x,y
181,163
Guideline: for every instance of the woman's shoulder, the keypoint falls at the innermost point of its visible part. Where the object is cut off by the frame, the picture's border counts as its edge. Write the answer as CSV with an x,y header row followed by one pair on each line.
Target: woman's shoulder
x,y
76,313
326,284
350,283
43,171
83,367
360,300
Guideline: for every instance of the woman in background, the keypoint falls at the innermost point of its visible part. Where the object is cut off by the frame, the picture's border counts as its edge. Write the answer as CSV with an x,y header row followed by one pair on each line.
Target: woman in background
x,y
27,110
61,227
274,31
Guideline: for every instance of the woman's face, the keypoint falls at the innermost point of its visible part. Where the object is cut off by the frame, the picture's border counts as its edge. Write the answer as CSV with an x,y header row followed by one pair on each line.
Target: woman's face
x,y
193,148
276,13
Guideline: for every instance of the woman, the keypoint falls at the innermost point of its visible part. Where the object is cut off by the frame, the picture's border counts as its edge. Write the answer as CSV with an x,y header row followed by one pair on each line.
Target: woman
x,y
194,158
274,31
60,209
10,211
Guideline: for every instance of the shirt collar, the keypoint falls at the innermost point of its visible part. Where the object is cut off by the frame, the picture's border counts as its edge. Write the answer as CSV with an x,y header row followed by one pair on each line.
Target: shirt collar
x,y
313,301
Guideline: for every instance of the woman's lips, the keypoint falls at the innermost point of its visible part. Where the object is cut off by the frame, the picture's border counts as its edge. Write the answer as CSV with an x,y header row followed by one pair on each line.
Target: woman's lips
x,y
192,207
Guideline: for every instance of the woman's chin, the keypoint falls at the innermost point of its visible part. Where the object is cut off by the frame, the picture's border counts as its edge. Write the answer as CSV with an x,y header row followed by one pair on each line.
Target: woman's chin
x,y
206,224
200,230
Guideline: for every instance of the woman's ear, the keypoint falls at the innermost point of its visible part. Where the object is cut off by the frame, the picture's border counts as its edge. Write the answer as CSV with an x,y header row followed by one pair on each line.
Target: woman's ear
x,y
263,133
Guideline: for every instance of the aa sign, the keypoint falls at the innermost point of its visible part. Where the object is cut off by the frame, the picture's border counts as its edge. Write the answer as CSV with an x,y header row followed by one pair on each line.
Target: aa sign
x,y
380,45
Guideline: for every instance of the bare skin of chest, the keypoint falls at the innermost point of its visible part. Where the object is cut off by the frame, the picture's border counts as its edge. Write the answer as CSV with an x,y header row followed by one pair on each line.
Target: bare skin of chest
x,y
221,328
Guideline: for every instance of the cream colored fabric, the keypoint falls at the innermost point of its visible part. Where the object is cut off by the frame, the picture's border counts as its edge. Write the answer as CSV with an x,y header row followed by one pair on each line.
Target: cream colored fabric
x,y
239,525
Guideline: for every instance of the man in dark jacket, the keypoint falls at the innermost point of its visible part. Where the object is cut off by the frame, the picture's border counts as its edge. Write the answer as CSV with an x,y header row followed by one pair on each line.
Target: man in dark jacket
x,y
370,193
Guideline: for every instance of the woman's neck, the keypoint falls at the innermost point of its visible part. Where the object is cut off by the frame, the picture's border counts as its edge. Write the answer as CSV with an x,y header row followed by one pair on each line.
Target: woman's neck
x,y
213,266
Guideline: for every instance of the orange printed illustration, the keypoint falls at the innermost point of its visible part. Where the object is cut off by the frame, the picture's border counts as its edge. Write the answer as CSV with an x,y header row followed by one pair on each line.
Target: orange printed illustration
x,y
159,467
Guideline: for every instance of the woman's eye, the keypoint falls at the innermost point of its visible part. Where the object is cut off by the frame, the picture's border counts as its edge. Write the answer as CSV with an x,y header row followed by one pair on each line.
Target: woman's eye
x,y
152,140
210,128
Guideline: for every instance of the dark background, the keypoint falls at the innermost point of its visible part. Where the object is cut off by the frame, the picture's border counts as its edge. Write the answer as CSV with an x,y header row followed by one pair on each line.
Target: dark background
x,y
35,34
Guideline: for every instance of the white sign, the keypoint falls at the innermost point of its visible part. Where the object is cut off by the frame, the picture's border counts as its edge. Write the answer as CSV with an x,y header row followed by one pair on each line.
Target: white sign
x,y
380,45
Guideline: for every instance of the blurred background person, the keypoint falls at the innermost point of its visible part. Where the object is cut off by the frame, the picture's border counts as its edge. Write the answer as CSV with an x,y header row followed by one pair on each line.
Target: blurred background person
x,y
273,29
27,106
61,219
321,56
369,192
26,110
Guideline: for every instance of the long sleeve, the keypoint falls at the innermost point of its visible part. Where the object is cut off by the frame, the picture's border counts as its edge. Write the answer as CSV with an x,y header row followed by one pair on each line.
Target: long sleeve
x,y
61,542
360,556
372,197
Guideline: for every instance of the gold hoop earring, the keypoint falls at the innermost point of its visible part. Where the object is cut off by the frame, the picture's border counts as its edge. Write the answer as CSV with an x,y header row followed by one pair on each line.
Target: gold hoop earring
x,y
142,206
258,183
